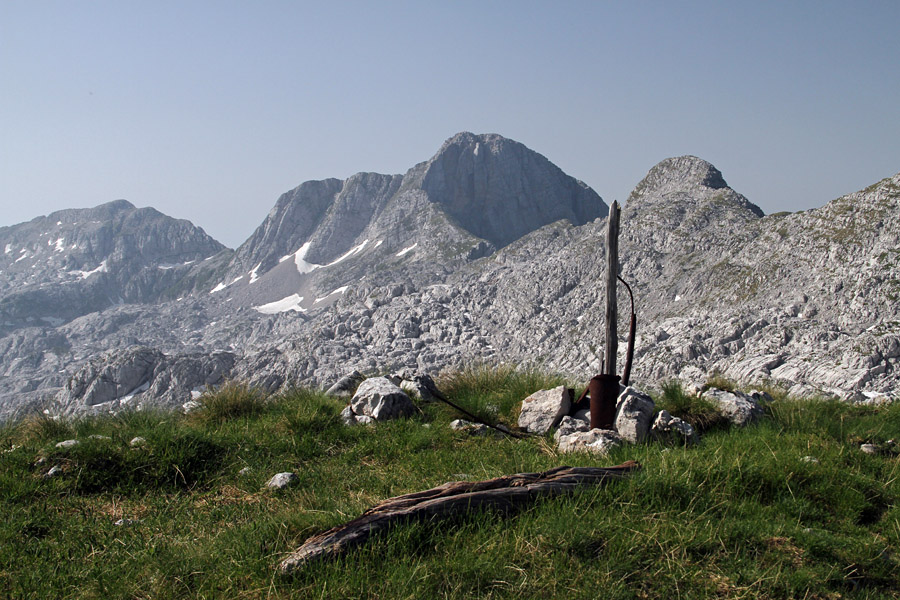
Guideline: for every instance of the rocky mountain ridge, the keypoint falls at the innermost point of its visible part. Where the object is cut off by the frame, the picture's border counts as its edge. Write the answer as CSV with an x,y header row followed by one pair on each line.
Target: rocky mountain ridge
x,y
428,271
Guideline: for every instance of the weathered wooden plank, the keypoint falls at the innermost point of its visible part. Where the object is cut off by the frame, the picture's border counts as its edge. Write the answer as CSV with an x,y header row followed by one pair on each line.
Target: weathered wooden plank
x,y
450,500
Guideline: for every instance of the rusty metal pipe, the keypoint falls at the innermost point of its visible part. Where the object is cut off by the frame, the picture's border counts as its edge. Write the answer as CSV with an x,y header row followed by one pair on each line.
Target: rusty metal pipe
x,y
629,357
604,391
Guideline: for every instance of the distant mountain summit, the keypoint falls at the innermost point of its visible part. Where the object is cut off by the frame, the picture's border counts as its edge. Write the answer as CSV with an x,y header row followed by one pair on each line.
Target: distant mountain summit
x,y
76,261
478,193
499,190
687,179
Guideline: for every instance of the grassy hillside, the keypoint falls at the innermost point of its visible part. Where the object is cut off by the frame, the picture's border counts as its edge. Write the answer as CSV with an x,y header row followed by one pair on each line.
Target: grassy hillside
x,y
790,508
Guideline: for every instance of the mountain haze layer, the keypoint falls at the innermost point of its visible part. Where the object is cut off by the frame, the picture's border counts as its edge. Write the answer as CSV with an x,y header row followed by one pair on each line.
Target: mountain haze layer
x,y
485,252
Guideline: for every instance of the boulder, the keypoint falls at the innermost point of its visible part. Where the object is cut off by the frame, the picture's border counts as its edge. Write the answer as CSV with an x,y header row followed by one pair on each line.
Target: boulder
x,y
634,413
346,385
423,385
379,399
739,408
543,410
596,441
572,424
669,428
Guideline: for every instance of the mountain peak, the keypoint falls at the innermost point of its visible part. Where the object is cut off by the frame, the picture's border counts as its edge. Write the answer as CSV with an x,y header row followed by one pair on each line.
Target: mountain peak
x,y
680,173
499,189
691,180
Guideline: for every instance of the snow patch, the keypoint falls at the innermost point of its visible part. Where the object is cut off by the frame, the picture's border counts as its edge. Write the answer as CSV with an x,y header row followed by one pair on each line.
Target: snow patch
x,y
378,243
304,267
407,249
58,223
218,288
85,274
236,279
340,290
130,395
60,245
8,248
23,257
167,266
292,302
299,256
253,275
677,297
477,148
349,253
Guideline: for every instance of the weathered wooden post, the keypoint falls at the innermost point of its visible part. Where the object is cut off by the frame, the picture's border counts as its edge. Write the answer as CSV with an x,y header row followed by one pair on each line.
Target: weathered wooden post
x,y
604,388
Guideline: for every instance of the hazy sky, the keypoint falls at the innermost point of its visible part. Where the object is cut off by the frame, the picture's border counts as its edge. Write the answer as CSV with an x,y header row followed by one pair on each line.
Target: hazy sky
x,y
208,111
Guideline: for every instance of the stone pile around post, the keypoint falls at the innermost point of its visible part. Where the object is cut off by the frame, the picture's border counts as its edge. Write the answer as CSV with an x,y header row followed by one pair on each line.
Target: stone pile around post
x,y
635,420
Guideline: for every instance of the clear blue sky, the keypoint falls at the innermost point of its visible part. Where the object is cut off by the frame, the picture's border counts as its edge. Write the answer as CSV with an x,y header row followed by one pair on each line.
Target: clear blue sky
x,y
209,110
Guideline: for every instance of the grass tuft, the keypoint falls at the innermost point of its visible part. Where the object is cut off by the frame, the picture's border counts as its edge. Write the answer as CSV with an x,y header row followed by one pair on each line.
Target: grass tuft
x,y
494,393
231,401
700,413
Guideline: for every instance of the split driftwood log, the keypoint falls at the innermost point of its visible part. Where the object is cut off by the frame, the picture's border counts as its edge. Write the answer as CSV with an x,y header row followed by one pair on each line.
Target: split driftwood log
x,y
451,500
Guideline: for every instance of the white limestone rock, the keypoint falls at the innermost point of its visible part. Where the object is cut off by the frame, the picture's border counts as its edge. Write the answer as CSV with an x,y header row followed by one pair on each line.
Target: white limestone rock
x,y
668,428
869,448
469,427
634,414
346,386
380,400
595,441
739,408
191,406
280,481
543,410
572,424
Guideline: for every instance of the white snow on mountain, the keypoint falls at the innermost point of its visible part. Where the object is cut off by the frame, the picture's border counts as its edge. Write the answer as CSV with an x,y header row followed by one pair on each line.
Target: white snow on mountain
x,y
407,249
292,302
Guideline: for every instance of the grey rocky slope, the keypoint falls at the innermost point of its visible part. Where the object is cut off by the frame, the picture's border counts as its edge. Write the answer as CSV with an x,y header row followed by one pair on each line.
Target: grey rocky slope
x,y
808,300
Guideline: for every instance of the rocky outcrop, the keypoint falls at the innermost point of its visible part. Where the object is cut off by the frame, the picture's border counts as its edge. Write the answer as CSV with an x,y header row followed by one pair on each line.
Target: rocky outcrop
x,y
482,182
141,377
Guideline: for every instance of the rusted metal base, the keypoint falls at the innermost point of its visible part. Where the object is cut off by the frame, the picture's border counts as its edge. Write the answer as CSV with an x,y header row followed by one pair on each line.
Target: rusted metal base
x,y
604,391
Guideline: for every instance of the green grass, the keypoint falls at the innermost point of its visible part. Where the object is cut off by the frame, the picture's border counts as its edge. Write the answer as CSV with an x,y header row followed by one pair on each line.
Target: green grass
x,y
789,508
